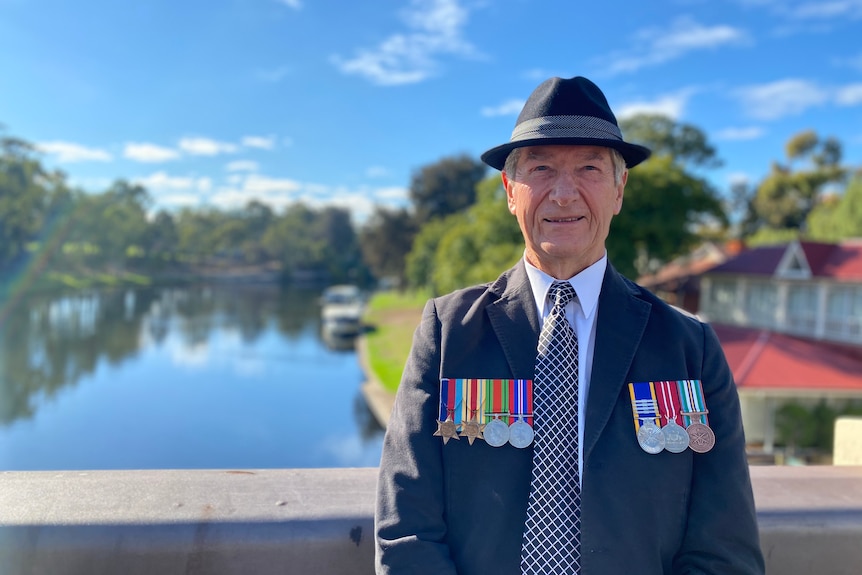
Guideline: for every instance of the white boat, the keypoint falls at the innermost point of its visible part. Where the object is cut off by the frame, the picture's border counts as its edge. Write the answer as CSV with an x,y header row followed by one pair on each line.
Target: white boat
x,y
341,311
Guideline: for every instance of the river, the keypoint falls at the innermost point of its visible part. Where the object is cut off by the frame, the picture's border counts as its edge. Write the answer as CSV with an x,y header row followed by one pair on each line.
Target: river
x,y
183,378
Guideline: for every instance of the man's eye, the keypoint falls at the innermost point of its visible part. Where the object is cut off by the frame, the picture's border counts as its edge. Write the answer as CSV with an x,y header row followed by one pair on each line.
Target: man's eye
x,y
540,168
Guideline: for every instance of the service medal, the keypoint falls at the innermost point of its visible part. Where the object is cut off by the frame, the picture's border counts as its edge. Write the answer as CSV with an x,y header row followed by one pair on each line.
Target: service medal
x,y
701,437
645,411
676,440
520,434
496,433
521,406
675,437
650,437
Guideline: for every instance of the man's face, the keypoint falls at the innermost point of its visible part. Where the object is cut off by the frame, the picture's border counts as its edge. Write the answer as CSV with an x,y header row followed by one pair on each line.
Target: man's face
x,y
564,198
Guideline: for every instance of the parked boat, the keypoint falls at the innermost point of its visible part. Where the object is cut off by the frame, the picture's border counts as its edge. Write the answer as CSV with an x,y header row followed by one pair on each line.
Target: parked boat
x,y
341,311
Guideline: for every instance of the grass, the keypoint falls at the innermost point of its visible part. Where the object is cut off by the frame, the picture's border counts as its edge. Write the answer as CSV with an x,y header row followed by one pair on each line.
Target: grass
x,y
392,317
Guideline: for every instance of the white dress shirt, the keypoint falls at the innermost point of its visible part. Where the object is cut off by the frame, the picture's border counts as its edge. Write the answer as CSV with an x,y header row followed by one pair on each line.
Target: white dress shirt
x,y
581,314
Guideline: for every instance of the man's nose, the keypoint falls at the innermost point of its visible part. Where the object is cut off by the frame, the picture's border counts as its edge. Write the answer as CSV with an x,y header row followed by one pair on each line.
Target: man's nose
x,y
565,190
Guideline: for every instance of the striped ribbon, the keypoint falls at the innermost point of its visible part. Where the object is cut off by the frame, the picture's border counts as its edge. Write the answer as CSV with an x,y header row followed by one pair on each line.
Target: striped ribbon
x,y
691,394
644,404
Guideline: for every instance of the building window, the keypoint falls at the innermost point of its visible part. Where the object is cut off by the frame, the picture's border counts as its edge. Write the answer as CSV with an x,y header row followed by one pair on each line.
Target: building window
x,y
722,301
844,313
761,304
802,309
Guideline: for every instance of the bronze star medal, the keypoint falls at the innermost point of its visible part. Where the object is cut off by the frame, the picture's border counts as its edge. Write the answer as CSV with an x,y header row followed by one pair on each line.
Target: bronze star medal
x,y
472,430
446,429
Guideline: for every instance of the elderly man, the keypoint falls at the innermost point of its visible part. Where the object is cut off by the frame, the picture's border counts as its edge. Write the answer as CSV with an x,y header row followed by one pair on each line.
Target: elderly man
x,y
562,419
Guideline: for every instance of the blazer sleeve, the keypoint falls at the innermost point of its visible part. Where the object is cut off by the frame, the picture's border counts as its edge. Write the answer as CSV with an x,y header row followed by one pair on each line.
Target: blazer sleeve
x,y
410,527
721,534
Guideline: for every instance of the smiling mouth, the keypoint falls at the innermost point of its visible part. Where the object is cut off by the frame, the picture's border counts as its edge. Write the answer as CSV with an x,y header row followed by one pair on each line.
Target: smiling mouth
x,y
564,220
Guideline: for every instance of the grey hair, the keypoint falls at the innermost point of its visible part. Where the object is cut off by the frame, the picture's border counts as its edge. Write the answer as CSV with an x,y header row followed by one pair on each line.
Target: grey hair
x,y
617,161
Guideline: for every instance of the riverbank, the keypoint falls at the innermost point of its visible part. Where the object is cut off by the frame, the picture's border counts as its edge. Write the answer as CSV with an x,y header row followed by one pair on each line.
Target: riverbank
x,y
390,319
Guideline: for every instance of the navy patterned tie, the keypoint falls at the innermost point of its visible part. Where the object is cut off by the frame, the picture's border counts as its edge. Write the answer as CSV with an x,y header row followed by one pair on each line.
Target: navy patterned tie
x,y
553,528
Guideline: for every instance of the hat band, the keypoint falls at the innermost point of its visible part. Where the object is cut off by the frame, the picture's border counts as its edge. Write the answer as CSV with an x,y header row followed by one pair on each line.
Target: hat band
x,y
589,127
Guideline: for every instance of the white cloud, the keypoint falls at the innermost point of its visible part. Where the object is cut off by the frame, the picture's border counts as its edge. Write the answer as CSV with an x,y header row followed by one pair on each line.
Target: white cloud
x,y
256,184
850,95
670,105
179,200
405,58
782,98
262,142
508,108
162,181
654,46
206,147
149,153
242,166
731,134
295,4
394,193
827,10
376,172
69,152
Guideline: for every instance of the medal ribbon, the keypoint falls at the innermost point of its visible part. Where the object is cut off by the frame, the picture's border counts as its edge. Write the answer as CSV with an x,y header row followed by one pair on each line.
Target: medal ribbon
x,y
667,395
497,399
521,400
644,404
691,393
450,394
473,399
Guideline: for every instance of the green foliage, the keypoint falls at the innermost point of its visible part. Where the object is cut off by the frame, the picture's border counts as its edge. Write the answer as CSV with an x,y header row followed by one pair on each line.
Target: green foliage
x,y
470,247
664,208
838,217
445,187
385,241
801,427
786,197
685,143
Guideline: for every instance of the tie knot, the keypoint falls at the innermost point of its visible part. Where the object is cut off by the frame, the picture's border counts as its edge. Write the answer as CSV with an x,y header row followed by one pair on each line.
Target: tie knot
x,y
561,293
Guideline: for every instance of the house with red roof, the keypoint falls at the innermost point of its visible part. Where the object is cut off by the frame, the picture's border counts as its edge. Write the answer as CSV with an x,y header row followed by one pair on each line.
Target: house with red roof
x,y
789,318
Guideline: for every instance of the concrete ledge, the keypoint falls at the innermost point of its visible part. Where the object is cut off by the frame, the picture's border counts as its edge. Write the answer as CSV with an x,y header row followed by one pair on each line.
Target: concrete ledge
x,y
320,521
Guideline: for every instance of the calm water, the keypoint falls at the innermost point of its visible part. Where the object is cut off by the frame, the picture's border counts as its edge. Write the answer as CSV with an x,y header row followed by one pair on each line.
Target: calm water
x,y
178,378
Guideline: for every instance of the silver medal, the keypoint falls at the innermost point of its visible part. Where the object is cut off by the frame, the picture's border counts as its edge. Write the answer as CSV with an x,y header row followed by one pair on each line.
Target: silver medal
x,y
650,437
675,437
521,434
496,433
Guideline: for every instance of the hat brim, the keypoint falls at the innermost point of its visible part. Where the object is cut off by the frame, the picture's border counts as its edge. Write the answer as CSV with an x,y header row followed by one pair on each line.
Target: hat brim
x,y
633,154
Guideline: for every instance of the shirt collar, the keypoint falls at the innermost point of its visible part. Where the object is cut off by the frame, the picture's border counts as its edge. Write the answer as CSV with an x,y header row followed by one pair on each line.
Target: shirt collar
x,y
587,284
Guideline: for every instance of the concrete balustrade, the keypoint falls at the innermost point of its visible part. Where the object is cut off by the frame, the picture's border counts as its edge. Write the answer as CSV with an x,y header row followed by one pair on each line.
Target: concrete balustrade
x,y
319,521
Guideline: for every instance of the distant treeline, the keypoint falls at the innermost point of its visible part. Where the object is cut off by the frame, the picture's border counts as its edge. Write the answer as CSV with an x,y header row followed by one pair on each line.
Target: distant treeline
x,y
456,230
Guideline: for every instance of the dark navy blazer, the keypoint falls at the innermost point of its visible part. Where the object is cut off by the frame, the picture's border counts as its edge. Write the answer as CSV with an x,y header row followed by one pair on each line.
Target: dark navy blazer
x,y
460,508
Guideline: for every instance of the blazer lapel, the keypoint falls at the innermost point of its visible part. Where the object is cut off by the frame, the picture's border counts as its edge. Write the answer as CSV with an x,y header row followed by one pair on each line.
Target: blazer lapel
x,y
515,321
619,328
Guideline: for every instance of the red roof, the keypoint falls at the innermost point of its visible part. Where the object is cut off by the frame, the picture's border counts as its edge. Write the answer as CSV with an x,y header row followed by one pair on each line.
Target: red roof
x,y
839,261
761,359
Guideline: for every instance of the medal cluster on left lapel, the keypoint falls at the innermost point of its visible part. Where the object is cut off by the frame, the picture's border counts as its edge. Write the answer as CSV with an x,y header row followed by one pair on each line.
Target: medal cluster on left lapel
x,y
497,411
671,416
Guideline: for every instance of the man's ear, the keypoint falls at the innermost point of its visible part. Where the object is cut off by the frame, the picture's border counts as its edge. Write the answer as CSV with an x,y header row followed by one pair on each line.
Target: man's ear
x,y
510,198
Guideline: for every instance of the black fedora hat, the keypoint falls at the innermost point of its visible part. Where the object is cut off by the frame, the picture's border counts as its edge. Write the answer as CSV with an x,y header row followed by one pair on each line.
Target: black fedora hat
x,y
569,112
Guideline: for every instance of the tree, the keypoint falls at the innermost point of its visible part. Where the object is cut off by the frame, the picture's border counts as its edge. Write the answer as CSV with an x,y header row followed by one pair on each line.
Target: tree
x,y
385,240
664,208
24,198
838,217
686,143
445,187
786,196
477,244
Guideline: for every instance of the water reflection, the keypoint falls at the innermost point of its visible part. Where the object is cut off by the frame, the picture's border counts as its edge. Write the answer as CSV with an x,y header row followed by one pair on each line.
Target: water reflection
x,y
191,377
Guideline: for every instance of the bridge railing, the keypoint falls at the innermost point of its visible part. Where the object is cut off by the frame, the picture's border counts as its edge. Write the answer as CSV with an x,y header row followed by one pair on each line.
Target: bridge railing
x,y
320,521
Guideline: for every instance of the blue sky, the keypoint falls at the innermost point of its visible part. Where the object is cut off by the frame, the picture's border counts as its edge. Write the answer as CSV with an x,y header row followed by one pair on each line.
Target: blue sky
x,y
334,102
